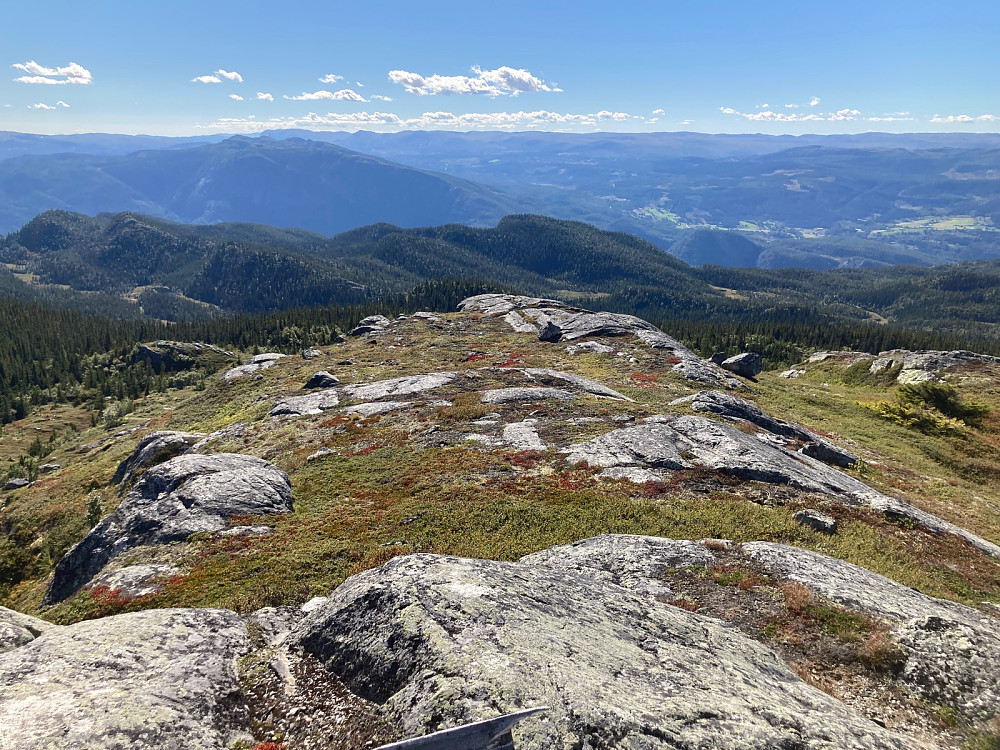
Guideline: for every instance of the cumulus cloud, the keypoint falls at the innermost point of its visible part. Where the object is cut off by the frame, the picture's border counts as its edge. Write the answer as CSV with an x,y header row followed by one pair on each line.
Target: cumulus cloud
x,y
236,97
40,105
39,74
344,95
658,112
229,75
893,117
428,120
791,106
206,79
331,78
844,114
769,115
264,96
964,118
814,101
63,104
380,98
499,82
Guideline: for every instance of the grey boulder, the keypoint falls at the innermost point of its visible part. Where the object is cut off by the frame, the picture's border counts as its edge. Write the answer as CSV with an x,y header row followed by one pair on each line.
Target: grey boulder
x,y
441,641
154,448
746,365
322,379
311,403
517,395
185,495
15,484
160,678
255,364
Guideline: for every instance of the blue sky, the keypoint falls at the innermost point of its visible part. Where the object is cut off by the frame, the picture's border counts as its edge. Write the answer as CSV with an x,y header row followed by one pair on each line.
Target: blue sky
x,y
187,68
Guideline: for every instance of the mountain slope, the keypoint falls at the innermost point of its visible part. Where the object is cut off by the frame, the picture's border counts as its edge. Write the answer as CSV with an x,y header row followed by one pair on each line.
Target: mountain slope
x,y
285,183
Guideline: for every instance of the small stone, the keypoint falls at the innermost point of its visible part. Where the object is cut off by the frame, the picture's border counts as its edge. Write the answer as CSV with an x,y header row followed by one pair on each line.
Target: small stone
x,y
817,521
311,353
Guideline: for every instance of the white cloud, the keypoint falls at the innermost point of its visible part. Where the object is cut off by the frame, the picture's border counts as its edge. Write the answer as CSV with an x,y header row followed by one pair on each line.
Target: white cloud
x,y
964,118
814,101
658,112
39,106
791,106
344,95
428,120
206,79
501,81
763,106
264,96
359,84
653,120
62,104
236,97
685,122
380,98
844,114
331,78
229,75
39,74
893,117
769,115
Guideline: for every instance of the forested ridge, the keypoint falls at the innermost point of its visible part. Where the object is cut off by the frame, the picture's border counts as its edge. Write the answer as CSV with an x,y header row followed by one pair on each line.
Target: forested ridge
x,y
79,293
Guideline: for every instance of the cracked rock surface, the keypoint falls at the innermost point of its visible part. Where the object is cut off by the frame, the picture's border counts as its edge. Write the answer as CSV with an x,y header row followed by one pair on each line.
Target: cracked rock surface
x,y
162,678
439,641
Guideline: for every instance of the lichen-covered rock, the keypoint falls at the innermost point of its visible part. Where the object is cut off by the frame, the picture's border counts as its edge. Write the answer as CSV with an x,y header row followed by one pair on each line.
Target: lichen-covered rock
x,y
681,442
732,407
185,495
372,408
310,403
952,651
134,581
501,304
548,375
154,448
161,678
512,395
255,364
523,436
312,353
398,386
442,641
16,629
746,365
15,484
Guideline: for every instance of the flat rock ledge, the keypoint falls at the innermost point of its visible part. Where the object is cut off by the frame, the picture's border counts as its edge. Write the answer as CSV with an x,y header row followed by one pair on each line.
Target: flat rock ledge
x,y
255,364
161,678
440,641
185,495
670,443
319,401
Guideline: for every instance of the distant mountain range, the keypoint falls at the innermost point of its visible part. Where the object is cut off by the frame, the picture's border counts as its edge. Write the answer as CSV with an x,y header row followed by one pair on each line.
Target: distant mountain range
x,y
813,201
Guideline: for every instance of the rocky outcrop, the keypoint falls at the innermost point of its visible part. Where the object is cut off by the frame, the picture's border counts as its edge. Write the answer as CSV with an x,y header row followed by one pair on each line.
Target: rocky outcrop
x,y
554,321
372,408
311,403
369,325
254,364
398,386
134,581
162,678
746,365
952,651
185,495
154,448
548,375
731,407
16,483
682,442
179,355
312,353
518,395
16,629
442,641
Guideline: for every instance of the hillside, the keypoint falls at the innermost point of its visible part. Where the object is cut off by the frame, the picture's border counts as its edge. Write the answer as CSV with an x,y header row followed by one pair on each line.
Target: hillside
x,y
286,183
507,501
